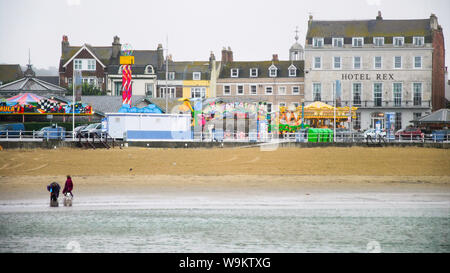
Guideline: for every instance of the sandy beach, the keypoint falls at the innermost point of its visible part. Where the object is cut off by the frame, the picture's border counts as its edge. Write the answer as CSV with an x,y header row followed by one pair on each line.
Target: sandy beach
x,y
24,173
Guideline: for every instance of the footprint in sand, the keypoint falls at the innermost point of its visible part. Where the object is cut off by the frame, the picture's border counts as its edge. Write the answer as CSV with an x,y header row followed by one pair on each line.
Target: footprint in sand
x,y
4,166
228,160
253,160
37,168
15,166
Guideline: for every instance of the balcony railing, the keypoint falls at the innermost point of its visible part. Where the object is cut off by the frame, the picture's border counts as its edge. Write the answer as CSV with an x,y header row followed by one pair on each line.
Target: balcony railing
x,y
382,104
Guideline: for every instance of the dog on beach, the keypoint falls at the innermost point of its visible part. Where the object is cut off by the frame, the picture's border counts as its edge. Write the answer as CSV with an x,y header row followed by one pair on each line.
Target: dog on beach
x,y
67,200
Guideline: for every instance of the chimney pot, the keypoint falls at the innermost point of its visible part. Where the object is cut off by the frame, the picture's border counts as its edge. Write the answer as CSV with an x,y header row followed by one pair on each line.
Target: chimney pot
x,y
275,58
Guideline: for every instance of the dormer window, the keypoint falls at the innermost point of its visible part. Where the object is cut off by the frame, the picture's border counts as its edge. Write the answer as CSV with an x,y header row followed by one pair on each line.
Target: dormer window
x,y
357,41
418,41
253,72
234,72
399,41
338,42
149,70
292,71
273,71
196,76
317,42
378,41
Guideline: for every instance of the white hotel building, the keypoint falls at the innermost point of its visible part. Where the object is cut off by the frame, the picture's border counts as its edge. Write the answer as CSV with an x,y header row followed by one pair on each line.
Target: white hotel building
x,y
383,65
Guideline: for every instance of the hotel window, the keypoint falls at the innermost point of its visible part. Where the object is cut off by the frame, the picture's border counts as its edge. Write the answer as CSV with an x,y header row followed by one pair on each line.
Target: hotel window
x,y
295,90
317,42
398,121
90,64
240,90
292,72
77,64
356,93
272,71
169,92
337,62
377,94
378,41
198,92
399,41
234,72
357,123
357,41
397,89
149,90
171,75
338,42
378,62
253,90
317,90
356,62
317,62
196,76
418,41
418,62
398,62
282,90
254,72
417,94
226,90
269,90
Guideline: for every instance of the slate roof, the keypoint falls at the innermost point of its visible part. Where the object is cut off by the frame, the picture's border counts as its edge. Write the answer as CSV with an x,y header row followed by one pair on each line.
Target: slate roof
x,y
439,116
50,79
10,72
263,68
184,70
368,29
34,85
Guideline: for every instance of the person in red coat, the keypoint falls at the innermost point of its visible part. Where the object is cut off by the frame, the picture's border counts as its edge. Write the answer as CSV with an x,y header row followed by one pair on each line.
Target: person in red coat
x,y
68,186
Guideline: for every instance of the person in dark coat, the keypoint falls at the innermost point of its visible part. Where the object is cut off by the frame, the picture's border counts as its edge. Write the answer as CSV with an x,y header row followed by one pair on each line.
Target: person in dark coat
x,y
68,187
54,188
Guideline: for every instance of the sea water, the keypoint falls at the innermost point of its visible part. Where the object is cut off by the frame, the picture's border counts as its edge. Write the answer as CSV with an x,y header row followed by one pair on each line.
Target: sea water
x,y
201,225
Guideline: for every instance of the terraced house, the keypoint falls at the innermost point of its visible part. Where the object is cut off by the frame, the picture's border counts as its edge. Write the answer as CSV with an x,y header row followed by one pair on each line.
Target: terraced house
x,y
277,83
384,66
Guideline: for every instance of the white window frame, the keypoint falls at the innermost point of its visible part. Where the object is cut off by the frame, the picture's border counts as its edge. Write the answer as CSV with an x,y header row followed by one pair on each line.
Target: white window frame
x,y
341,40
393,93
314,62
317,41
147,85
294,70
196,76
253,70
171,75
378,38
237,89
202,92
234,72
298,90
421,92
360,62
320,90
271,69
171,92
414,62
280,88
375,62
419,38
360,92
334,62
356,39
373,93
78,64
91,64
271,90
229,90
256,89
394,64
398,38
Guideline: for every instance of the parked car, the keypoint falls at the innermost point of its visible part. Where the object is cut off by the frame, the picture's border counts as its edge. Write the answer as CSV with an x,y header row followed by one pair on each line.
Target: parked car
x,y
78,130
51,132
11,130
94,129
409,133
372,133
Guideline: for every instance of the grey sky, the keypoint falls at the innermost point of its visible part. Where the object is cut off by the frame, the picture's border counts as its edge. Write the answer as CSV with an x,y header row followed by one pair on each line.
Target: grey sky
x,y
254,29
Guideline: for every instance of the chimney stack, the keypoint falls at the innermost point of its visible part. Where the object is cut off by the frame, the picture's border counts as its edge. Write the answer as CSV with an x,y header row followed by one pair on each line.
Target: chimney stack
x,y
227,55
64,44
433,22
230,55
116,46
275,58
379,16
